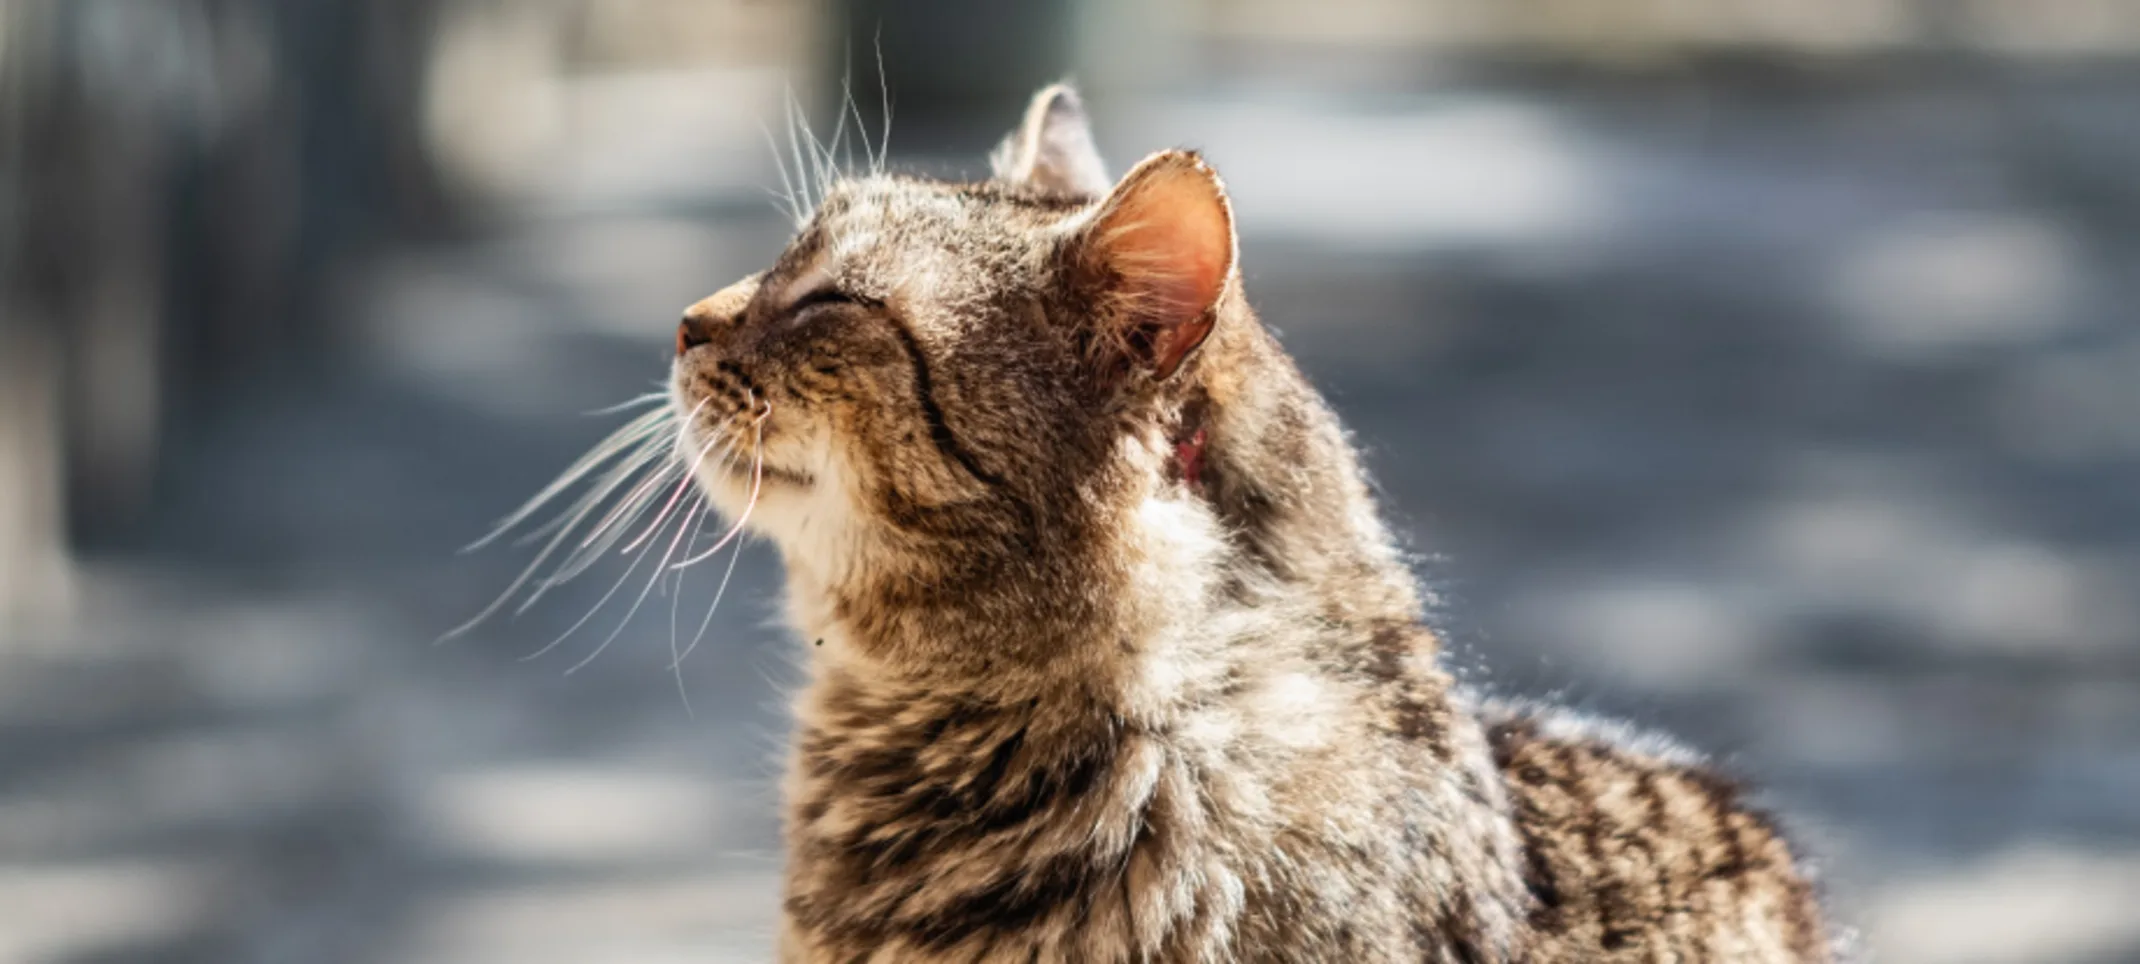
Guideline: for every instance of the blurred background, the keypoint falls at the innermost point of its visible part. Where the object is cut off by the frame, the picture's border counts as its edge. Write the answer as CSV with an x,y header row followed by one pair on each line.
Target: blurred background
x,y
1766,370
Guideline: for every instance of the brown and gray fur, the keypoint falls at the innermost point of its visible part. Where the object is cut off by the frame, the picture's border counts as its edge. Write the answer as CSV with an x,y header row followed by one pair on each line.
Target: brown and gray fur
x,y
1114,658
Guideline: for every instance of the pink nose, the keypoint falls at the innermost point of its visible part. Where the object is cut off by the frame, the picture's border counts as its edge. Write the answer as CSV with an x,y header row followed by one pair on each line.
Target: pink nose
x,y
713,313
695,330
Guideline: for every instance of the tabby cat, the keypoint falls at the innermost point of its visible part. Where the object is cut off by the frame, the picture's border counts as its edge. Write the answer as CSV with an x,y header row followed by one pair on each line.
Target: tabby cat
x,y
1114,659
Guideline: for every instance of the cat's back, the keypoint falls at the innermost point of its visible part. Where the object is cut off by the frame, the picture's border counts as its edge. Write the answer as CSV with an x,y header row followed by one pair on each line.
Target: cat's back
x,y
1637,851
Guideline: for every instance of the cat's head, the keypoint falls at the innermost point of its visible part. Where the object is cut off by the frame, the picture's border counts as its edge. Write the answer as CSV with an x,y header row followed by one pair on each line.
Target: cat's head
x,y
965,386
933,361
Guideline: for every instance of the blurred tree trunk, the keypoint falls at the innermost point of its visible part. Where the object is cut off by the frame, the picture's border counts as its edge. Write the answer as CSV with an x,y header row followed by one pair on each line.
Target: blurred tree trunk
x,y
181,180
32,452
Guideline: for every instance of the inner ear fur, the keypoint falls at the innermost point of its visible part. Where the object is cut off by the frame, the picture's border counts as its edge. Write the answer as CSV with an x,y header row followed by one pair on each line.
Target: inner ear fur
x,y
1160,251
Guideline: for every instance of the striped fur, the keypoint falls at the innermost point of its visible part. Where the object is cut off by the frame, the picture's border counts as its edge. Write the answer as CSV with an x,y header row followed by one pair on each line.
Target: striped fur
x,y
1117,660
1637,851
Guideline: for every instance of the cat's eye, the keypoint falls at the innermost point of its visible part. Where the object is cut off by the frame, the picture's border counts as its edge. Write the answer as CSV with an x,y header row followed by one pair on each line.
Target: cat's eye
x,y
819,297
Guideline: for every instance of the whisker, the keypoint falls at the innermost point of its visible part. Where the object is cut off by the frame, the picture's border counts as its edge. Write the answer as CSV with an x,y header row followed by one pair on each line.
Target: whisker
x,y
628,510
787,186
630,433
596,608
583,557
632,501
639,459
660,569
676,599
629,404
831,148
849,106
649,454
884,94
718,592
689,476
812,149
757,470
804,171
638,498
785,206
624,466
757,479
571,518
632,507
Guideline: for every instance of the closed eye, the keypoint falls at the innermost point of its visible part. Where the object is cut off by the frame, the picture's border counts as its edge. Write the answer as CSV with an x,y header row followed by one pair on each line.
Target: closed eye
x,y
819,297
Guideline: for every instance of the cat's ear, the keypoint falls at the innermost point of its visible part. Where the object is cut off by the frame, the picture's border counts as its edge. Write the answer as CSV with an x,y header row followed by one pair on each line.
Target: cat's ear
x,y
1159,253
1052,149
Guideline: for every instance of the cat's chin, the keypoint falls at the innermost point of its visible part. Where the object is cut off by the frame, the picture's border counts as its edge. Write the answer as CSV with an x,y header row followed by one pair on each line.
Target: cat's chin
x,y
734,489
769,476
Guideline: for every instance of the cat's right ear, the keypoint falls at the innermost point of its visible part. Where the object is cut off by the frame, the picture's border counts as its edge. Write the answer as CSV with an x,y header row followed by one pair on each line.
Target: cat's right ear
x,y
1052,149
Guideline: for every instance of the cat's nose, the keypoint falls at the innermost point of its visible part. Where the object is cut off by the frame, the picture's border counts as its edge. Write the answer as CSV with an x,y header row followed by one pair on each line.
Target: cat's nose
x,y
713,313
696,329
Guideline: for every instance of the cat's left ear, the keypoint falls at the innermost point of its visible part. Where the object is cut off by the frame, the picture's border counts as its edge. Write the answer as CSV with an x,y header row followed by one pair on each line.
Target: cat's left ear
x,y
1157,253
1052,149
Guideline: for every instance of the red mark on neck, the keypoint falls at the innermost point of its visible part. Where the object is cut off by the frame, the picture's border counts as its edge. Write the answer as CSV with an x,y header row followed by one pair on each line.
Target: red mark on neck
x,y
1191,454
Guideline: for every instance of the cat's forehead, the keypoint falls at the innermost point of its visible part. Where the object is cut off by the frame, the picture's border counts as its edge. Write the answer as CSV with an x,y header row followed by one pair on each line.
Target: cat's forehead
x,y
879,217
923,204
883,233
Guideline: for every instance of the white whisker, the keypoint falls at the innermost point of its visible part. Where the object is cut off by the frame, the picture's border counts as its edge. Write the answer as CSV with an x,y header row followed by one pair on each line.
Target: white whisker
x,y
619,483
831,148
627,510
757,479
795,211
806,171
596,608
631,403
660,569
612,533
690,475
645,490
849,106
812,149
623,438
638,498
757,474
649,454
584,557
563,527
718,592
676,599
884,95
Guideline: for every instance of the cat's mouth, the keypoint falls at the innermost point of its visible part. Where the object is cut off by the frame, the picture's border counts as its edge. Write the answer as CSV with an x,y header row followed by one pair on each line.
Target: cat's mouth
x,y
742,457
771,474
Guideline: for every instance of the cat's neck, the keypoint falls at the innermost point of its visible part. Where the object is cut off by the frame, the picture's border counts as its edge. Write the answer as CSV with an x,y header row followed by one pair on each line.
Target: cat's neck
x,y
1037,752
1101,620
1280,519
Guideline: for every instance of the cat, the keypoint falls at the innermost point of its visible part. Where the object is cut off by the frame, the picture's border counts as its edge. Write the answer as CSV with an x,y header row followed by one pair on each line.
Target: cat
x,y
1114,658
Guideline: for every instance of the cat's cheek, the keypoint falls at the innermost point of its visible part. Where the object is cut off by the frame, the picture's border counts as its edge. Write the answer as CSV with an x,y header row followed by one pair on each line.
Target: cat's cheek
x,y
816,529
729,496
